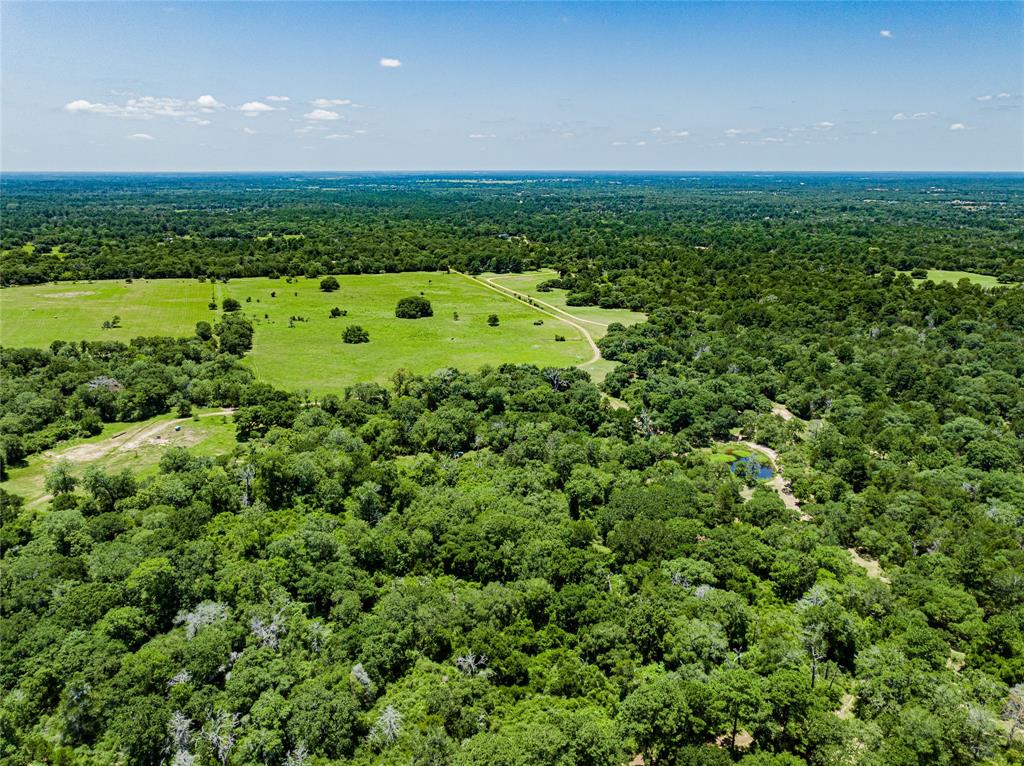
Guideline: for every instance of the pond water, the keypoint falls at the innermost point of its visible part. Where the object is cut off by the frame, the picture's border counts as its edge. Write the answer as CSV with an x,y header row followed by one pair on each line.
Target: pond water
x,y
739,465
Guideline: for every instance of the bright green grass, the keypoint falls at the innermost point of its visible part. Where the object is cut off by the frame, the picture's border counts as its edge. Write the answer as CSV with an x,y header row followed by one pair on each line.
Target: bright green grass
x,y
118,446
595,319
937,275
36,315
309,355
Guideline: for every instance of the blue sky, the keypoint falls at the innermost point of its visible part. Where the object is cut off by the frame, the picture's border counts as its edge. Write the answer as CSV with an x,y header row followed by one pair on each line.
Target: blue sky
x,y
395,86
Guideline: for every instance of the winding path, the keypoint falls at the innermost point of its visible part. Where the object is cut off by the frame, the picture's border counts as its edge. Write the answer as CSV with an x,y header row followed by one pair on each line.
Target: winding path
x,y
777,483
550,310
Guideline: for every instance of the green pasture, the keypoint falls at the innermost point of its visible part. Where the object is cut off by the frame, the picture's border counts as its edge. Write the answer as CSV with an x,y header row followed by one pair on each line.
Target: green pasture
x,y
120,446
938,275
309,354
595,319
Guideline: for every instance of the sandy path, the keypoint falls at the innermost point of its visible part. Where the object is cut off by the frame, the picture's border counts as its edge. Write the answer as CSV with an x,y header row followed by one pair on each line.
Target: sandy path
x,y
872,567
524,296
129,439
777,483
555,312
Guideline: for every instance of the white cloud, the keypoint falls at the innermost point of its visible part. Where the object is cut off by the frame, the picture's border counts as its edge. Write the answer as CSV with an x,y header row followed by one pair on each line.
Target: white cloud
x,y
673,133
733,132
639,143
925,115
983,98
141,107
1003,95
337,136
824,125
277,98
958,126
323,103
255,108
899,116
390,63
310,128
322,115
482,135
771,140
141,137
618,143
198,121
209,102
81,105
886,33
249,131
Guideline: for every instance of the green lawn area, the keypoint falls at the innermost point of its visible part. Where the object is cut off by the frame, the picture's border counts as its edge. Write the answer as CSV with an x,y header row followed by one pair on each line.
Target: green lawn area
x,y
35,315
937,275
137,446
310,355
594,318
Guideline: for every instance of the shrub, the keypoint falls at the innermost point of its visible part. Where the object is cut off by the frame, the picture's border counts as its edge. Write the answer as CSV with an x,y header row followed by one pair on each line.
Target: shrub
x,y
414,307
355,334
492,320
230,304
329,284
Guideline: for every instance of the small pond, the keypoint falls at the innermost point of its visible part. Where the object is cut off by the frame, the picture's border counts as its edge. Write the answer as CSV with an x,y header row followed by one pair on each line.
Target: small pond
x,y
739,465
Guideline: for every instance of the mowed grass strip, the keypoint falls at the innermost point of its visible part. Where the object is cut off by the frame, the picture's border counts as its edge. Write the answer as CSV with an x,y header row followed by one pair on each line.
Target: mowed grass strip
x,y
306,355
595,319
938,275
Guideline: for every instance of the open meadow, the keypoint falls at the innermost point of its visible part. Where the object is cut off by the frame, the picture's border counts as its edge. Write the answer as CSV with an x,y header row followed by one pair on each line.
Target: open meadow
x,y
298,346
126,446
940,275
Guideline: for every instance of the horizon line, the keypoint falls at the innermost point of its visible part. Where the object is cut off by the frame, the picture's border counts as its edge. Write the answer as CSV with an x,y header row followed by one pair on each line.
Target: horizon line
x,y
610,171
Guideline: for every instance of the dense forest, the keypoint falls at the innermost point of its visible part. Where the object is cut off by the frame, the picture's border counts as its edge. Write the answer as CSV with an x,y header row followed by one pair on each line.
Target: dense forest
x,y
515,566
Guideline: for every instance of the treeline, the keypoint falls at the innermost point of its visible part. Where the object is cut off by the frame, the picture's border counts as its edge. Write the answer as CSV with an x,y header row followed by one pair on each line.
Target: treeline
x,y
96,227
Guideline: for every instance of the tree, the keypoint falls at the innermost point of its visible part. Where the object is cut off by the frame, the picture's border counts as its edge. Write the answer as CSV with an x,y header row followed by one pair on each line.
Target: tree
x,y
337,312
355,334
413,307
230,305
59,479
204,331
1013,711
492,320
329,284
234,333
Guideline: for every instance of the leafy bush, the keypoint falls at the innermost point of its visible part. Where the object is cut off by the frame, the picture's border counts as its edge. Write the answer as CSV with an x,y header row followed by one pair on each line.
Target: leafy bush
x,y
413,307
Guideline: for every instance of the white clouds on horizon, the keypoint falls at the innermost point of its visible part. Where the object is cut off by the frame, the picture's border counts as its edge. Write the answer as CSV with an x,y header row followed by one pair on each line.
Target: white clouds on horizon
x,y
323,103
482,135
147,107
886,33
958,126
277,98
141,137
322,115
256,108
389,63
900,116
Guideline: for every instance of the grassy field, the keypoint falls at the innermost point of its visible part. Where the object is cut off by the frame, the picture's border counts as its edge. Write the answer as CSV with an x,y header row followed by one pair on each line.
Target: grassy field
x,y
309,354
595,319
137,446
937,275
